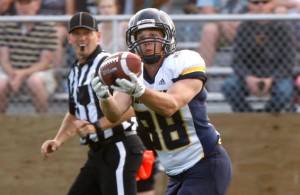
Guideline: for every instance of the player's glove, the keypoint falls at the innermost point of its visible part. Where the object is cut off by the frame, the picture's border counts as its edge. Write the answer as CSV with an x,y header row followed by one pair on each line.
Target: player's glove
x,y
101,90
135,87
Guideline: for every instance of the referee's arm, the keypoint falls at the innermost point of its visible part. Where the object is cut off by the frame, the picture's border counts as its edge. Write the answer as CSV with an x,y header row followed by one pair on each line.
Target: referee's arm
x,y
67,129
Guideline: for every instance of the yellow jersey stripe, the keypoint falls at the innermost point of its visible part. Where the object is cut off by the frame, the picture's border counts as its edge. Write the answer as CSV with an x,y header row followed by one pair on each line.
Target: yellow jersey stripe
x,y
194,69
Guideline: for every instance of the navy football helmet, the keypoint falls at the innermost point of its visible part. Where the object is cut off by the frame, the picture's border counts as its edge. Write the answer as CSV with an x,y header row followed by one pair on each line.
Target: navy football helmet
x,y
151,18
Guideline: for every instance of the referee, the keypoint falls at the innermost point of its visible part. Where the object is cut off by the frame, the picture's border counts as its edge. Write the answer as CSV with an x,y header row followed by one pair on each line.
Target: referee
x,y
116,150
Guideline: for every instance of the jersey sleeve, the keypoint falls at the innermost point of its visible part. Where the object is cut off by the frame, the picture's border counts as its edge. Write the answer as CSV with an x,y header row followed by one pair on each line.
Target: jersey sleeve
x,y
191,65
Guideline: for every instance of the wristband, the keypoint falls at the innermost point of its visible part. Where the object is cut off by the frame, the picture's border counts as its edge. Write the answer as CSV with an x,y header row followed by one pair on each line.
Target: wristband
x,y
97,126
98,129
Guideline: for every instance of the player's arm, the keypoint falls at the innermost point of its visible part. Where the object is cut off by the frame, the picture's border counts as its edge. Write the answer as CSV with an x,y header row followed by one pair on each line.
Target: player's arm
x,y
177,96
117,107
84,127
165,104
116,117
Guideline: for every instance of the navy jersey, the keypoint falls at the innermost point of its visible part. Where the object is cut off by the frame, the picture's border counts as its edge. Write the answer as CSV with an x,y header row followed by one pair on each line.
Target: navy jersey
x,y
184,138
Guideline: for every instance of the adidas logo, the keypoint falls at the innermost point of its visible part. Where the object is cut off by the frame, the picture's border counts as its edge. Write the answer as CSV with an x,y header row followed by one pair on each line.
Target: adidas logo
x,y
162,82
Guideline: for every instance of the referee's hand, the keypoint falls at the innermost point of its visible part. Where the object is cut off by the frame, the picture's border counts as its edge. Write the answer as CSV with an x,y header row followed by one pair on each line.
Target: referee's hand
x,y
48,147
83,128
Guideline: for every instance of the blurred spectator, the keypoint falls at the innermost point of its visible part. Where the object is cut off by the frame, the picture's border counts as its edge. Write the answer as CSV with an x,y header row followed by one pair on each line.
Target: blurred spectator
x,y
126,6
7,7
218,33
290,7
132,6
110,43
264,54
178,6
287,6
138,5
26,51
297,84
190,7
58,7
89,6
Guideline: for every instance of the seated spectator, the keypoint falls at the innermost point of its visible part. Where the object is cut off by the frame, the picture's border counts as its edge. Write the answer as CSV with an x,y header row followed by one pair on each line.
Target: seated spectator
x,y
218,33
264,54
26,51
108,41
58,7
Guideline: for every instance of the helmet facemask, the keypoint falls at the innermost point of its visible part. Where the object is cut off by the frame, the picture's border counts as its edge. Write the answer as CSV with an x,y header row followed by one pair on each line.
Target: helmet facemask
x,y
150,58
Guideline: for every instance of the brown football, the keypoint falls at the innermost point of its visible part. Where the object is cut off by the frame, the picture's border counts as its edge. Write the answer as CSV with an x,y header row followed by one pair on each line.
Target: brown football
x,y
119,65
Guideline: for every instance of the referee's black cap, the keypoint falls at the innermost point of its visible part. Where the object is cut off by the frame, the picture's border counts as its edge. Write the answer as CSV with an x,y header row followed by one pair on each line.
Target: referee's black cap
x,y
82,20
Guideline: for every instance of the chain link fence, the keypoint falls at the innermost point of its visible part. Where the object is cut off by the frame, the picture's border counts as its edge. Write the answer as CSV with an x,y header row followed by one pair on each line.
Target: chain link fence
x,y
266,52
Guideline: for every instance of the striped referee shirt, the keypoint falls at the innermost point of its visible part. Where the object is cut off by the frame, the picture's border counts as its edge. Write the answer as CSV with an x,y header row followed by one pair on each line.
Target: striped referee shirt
x,y
83,101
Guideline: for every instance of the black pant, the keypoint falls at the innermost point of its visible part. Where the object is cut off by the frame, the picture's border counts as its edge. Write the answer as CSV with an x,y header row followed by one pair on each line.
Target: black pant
x,y
111,170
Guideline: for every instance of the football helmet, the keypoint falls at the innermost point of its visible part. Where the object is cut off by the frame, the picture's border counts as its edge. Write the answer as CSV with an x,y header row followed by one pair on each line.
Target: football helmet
x,y
151,18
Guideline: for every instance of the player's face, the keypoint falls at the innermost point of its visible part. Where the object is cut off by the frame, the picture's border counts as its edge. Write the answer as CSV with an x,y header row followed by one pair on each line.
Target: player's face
x,y
84,41
149,45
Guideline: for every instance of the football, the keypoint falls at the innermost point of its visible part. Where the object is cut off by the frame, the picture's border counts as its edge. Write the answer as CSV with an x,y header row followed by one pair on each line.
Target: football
x,y
119,65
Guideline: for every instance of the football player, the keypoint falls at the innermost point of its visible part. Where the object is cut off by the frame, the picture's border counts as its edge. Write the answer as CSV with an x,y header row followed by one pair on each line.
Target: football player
x,y
169,102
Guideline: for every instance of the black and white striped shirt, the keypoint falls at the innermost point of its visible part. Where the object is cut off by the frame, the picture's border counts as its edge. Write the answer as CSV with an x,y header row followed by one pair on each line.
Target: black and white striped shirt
x,y
25,46
83,101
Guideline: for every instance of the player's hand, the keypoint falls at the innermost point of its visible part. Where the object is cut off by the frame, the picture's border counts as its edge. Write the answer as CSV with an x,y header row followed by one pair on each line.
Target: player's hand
x,y
135,87
49,146
101,90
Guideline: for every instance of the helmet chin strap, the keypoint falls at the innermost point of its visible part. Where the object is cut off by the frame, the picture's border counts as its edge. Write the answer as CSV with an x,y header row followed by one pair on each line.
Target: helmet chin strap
x,y
152,59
